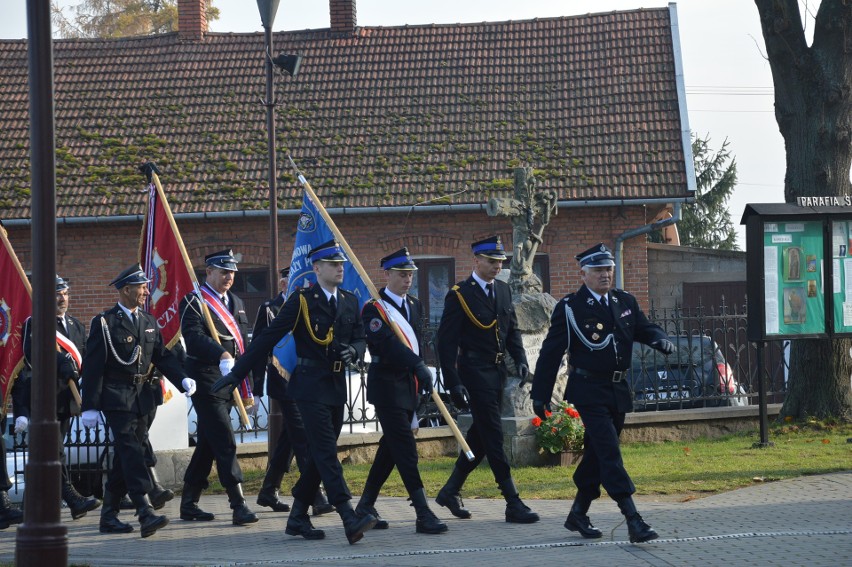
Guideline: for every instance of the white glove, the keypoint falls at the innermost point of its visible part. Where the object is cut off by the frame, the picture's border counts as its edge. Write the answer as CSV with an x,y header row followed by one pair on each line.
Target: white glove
x,y
91,418
21,424
225,365
188,386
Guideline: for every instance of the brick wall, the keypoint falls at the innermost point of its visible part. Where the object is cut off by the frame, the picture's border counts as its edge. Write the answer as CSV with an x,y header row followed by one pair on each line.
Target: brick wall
x,y
90,256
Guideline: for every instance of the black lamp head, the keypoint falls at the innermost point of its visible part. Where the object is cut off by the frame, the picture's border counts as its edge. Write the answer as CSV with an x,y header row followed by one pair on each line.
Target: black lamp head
x,y
288,63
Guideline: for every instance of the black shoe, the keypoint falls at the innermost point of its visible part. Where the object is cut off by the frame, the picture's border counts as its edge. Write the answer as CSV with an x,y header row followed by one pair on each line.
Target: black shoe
x,y
10,516
516,511
355,526
321,505
242,515
639,531
427,522
268,500
126,504
454,503
159,496
149,523
299,524
581,523
112,525
78,504
189,509
362,511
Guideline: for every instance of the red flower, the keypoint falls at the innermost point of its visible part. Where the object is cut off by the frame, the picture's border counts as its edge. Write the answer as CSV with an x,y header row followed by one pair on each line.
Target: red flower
x,y
536,421
573,413
547,413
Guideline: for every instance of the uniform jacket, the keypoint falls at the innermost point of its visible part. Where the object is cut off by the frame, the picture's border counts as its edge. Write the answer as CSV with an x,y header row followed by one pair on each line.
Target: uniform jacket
x,y
66,406
390,382
202,350
622,318
317,384
276,386
457,335
107,381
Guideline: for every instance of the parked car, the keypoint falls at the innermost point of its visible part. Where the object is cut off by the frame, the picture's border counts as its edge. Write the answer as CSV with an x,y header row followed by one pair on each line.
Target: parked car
x,y
696,375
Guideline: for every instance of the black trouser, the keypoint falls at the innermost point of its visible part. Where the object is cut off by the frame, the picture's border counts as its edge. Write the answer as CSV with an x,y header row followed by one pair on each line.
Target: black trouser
x,y
602,463
64,426
215,442
396,447
282,454
485,436
150,457
322,427
128,473
5,483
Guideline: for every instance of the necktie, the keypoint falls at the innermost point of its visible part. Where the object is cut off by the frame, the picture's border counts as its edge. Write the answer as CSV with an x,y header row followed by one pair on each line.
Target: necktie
x,y
490,292
225,300
603,300
133,318
61,321
332,302
403,309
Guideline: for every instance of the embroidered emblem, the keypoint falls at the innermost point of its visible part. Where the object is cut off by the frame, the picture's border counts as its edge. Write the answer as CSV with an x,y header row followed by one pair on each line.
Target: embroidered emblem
x,y
159,277
5,322
590,301
626,313
614,299
375,325
149,330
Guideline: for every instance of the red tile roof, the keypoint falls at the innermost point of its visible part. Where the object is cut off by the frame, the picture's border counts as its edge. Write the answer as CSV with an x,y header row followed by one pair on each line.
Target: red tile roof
x,y
388,116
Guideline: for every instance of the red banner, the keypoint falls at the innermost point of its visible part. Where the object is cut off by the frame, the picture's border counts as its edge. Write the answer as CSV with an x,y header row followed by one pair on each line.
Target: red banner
x,y
15,307
160,256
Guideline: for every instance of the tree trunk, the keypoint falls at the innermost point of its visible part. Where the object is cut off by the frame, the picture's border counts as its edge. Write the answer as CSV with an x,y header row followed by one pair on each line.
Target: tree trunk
x,y
813,108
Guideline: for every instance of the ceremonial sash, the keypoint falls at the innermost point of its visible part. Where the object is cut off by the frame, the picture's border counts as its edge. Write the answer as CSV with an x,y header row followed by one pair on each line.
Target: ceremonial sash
x,y
69,347
391,313
215,304
212,300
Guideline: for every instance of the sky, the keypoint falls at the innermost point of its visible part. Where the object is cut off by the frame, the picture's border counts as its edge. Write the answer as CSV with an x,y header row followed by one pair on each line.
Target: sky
x,y
728,80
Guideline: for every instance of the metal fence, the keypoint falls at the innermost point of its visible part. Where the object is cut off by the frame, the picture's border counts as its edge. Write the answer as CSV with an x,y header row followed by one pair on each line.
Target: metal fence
x,y
88,452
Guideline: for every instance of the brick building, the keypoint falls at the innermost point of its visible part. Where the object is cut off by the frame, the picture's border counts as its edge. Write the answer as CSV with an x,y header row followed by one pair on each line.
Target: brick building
x,y
404,132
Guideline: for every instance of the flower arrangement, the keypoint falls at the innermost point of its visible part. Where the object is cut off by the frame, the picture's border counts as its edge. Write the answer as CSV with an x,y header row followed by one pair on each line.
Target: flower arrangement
x,y
561,430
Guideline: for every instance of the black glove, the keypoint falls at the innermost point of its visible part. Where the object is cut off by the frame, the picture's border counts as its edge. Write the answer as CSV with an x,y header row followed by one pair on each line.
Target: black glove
x,y
665,346
540,407
524,374
228,381
424,379
66,369
348,354
460,397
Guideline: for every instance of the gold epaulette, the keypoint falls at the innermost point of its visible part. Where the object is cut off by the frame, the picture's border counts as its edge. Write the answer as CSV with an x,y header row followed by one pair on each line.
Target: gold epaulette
x,y
469,314
303,310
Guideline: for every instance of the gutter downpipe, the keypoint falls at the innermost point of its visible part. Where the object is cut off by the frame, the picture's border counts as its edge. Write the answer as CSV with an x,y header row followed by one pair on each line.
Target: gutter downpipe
x,y
639,231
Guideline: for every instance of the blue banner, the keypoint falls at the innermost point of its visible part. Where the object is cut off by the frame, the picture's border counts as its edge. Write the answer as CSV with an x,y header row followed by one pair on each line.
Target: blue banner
x,y
311,231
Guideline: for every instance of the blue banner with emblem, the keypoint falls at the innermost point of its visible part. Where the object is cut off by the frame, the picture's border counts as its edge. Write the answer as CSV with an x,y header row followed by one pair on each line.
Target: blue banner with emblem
x,y
311,231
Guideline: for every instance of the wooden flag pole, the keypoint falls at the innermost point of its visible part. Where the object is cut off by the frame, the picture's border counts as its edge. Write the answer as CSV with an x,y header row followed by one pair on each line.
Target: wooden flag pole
x,y
238,401
374,293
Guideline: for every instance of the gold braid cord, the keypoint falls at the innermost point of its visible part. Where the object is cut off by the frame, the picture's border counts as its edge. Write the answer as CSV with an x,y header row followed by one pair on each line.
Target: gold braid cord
x,y
303,309
473,318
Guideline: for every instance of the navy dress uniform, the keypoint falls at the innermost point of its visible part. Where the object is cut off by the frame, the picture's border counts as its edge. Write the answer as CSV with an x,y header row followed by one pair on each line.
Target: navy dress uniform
x,y
328,335
596,326
204,353
396,380
478,328
123,343
71,336
292,440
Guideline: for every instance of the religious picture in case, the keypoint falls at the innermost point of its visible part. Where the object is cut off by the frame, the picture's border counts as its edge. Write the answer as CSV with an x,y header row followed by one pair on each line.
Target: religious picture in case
x,y
812,263
793,264
812,288
794,305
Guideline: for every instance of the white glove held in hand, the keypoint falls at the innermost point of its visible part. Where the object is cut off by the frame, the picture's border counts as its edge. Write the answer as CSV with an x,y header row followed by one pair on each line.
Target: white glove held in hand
x,y
188,386
21,424
90,418
225,365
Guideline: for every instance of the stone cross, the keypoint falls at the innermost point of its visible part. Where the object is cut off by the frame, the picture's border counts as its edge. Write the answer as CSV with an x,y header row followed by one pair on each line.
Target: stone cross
x,y
523,208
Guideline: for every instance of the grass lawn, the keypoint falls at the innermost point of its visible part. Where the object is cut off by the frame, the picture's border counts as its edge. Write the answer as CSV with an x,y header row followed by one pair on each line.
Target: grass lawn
x,y
682,470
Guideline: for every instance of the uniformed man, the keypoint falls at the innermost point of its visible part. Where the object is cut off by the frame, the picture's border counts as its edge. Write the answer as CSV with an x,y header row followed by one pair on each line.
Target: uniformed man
x,y
327,329
9,515
207,360
70,347
597,325
478,328
123,343
292,440
396,379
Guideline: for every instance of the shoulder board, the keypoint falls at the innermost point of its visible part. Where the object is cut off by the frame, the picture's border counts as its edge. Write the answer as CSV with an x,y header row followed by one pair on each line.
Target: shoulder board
x,y
455,287
621,291
345,291
570,297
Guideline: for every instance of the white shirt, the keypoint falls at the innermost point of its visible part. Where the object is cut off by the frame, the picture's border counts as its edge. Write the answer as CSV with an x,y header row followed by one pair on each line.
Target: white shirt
x,y
400,301
482,283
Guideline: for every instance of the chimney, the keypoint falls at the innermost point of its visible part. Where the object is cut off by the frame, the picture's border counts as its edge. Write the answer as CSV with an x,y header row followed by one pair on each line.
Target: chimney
x,y
342,16
192,19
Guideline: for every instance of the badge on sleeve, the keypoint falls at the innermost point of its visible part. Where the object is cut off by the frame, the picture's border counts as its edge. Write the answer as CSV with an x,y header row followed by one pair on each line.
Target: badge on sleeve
x,y
375,324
